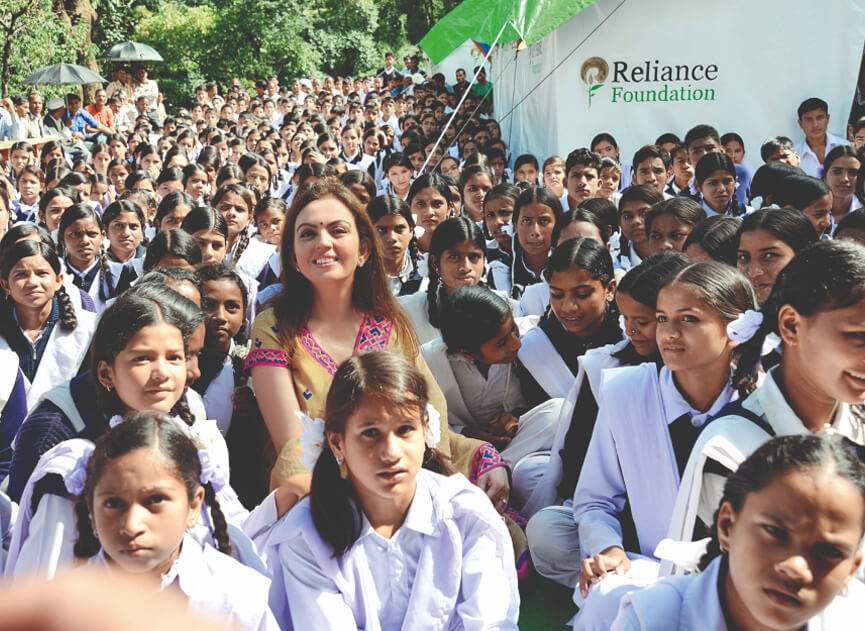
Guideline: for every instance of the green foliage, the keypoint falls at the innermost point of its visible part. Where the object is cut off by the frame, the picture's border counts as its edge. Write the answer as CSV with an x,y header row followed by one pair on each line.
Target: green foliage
x,y
38,38
343,34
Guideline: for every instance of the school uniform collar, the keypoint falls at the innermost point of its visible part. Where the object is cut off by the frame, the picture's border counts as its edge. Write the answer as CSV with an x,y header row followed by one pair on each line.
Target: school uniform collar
x,y
53,317
420,517
675,405
702,607
407,269
784,420
87,274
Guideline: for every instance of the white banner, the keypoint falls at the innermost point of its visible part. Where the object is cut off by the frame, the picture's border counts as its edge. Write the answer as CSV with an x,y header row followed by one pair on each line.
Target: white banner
x,y
665,66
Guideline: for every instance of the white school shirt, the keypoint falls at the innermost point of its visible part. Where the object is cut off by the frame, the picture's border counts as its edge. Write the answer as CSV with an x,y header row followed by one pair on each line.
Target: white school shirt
x,y
692,603
449,566
729,440
215,584
631,457
808,159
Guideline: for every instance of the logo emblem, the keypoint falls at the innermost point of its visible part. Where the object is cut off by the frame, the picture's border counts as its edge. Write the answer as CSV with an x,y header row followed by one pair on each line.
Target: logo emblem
x,y
593,73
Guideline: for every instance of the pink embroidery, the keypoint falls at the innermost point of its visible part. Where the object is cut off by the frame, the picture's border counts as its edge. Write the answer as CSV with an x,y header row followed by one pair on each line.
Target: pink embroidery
x,y
486,459
266,357
374,335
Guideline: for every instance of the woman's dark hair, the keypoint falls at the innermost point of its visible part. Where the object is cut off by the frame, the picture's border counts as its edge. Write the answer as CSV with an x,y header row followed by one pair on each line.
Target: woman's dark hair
x,y
172,277
144,304
579,215
11,257
171,174
853,221
22,231
585,254
799,191
313,169
718,236
642,193
450,232
644,281
83,211
205,218
220,271
170,202
228,172
684,209
357,176
146,149
174,242
823,276
209,157
269,203
470,317
153,431
769,178
250,199
726,291
191,169
472,170
605,209
732,136
430,180
74,179
137,176
384,377
787,224
711,162
58,191
603,137
47,149
841,151
388,204
781,455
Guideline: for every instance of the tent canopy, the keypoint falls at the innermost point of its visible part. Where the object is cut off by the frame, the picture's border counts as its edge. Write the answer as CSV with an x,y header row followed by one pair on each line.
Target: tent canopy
x,y
528,20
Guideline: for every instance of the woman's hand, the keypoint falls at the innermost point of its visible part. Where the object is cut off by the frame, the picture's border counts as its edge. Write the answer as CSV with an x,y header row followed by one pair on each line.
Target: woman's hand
x,y
496,485
504,424
486,435
244,400
613,559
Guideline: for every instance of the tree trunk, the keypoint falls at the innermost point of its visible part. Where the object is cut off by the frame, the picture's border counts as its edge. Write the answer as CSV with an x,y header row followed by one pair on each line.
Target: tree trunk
x,y
9,32
80,13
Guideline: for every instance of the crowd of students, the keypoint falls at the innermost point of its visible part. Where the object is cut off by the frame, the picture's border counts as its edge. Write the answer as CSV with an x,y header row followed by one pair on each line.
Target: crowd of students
x,y
332,357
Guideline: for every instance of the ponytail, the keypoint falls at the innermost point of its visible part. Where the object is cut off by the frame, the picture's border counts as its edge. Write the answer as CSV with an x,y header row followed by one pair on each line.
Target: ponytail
x,y
68,319
242,242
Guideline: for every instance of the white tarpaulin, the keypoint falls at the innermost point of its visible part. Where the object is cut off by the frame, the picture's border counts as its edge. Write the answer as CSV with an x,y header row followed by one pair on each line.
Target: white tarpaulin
x,y
468,57
654,67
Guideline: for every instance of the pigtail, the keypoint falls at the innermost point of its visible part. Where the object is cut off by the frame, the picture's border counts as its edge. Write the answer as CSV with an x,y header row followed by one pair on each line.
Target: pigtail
x,y
181,410
243,241
87,544
437,462
220,526
436,297
414,254
331,504
7,320
748,356
68,319
713,548
105,278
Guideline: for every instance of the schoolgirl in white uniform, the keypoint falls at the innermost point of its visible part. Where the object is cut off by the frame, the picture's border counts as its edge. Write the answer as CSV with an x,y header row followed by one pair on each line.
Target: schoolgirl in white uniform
x,y
582,316
551,526
783,551
80,236
246,253
818,311
473,364
49,336
643,467
456,259
382,543
151,451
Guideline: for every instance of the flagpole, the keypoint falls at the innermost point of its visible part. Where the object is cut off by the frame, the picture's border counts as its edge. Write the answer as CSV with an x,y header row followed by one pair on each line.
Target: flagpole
x,y
465,94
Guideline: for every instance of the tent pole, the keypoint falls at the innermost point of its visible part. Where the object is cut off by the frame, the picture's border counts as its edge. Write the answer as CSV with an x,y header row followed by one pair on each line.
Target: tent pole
x,y
465,94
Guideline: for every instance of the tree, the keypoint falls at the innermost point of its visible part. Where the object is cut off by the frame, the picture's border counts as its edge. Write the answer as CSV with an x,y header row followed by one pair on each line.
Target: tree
x,y
35,34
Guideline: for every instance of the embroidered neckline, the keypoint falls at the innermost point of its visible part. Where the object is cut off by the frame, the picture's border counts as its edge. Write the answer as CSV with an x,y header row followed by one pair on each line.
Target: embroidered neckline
x,y
373,335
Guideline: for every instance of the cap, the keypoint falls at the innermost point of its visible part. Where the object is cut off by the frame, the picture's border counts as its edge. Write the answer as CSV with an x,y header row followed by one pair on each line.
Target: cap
x,y
54,104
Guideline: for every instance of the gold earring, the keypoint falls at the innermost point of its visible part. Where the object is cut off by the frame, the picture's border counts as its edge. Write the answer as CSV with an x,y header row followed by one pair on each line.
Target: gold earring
x,y
343,468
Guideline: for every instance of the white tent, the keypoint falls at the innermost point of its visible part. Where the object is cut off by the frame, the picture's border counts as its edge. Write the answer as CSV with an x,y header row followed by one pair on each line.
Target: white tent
x,y
636,69
466,57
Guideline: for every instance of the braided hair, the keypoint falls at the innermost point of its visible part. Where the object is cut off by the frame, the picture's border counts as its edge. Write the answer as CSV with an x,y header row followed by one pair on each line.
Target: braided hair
x,y
153,431
11,257
247,195
78,212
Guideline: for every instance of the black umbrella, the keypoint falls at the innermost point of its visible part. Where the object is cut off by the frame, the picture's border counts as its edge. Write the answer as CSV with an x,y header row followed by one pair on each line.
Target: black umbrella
x,y
131,51
64,74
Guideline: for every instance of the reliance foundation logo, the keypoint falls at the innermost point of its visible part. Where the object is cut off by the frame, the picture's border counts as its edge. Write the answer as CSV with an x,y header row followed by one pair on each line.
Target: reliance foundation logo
x,y
669,83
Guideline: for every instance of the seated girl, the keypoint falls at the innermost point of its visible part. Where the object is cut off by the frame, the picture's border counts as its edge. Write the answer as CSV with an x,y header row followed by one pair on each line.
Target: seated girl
x,y
473,363
668,223
269,217
550,506
813,197
536,213
151,451
715,179
816,310
582,316
172,248
783,551
207,226
498,212
700,309
456,259
246,254
385,540
394,226
336,304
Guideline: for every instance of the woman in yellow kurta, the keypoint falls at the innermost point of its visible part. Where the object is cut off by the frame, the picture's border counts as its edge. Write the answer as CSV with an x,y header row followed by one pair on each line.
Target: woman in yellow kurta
x,y
336,303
